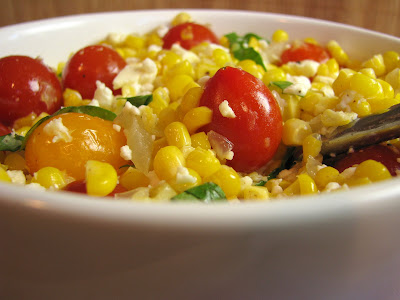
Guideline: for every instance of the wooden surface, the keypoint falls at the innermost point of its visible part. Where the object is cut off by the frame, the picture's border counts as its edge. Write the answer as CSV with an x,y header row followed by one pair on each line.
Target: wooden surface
x,y
383,16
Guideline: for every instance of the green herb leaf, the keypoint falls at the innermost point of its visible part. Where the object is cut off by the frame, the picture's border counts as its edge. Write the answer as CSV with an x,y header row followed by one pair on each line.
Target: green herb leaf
x,y
281,84
140,100
11,142
288,161
127,166
207,193
249,53
260,183
248,36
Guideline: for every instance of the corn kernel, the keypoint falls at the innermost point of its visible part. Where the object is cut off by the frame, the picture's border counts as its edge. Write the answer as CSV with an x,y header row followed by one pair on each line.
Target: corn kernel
x,y
366,86
311,40
276,74
292,108
337,118
280,36
377,64
292,189
255,193
177,84
200,139
342,82
190,100
337,52
23,130
189,179
227,178
355,181
221,57
24,121
378,106
372,169
167,161
197,117
388,91
101,178
170,59
177,135
307,184
368,72
15,161
135,42
206,69
294,132
311,146
251,67
133,178
181,18
361,107
162,192
391,60
393,78
203,162
4,176
50,177
325,176
167,115
183,67
160,100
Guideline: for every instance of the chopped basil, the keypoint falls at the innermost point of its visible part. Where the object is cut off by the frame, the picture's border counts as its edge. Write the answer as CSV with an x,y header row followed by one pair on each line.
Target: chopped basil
x,y
11,142
241,50
139,100
127,166
207,193
281,84
261,183
287,162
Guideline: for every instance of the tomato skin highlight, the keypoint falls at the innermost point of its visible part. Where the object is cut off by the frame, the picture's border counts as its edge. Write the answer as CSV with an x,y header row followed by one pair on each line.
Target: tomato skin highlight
x,y
304,51
26,86
90,64
256,131
188,35
386,155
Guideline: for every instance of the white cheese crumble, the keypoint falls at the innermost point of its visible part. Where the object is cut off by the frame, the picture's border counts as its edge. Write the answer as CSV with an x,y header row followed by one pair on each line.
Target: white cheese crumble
x,y
203,80
185,54
162,30
271,53
103,95
300,86
138,75
35,186
183,176
34,85
116,37
17,176
226,111
305,67
154,48
57,129
126,152
332,186
116,127
245,181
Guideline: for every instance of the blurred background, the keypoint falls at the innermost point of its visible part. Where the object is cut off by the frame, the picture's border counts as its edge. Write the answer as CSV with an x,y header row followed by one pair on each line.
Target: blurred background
x,y
383,16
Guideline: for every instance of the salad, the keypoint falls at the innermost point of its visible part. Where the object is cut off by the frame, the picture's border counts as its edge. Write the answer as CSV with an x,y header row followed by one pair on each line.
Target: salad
x,y
180,114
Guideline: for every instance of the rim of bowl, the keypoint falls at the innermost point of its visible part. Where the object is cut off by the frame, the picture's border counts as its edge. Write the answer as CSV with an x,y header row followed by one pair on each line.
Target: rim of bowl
x,y
187,216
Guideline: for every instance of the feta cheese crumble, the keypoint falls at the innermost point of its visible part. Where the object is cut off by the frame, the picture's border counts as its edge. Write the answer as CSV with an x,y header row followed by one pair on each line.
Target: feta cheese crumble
x,y
300,86
126,152
57,129
183,176
226,111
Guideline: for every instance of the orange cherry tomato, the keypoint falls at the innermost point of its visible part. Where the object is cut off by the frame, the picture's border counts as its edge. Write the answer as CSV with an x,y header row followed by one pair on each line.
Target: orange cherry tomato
x,y
188,35
256,130
304,51
91,138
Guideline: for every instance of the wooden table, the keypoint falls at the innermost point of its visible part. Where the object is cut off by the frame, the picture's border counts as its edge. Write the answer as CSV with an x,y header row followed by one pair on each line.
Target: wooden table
x,y
383,16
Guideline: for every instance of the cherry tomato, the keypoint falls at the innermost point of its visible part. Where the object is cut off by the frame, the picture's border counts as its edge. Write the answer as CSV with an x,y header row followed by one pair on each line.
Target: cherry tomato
x,y
89,65
304,51
188,35
4,130
256,130
386,155
79,186
91,138
26,86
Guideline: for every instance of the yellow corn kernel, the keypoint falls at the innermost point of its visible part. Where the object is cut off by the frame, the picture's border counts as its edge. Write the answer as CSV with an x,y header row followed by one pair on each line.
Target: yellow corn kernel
x,y
309,102
72,97
280,36
378,106
342,82
203,162
160,100
251,67
167,115
393,78
135,42
336,118
294,132
183,67
23,130
200,139
181,18
307,184
325,176
311,146
154,39
388,91
170,59
167,161
133,178
337,52
60,68
204,69
24,121
292,108
227,178
177,84
276,74
333,66
15,161
377,64
355,181
177,135
4,176
258,193
50,177
185,179
391,60
361,107
366,86
101,178
311,40
368,72
190,100
292,189
197,117
221,57
372,169
162,192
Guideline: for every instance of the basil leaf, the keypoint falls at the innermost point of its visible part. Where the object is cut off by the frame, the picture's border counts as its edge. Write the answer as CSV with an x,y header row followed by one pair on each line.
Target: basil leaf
x,y
140,100
288,161
249,53
207,193
260,183
232,37
127,166
248,36
281,84
11,142
93,111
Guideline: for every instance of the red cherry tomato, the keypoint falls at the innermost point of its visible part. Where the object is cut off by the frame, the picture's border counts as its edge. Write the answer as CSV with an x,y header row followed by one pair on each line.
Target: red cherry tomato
x,y
256,130
4,130
89,65
188,35
386,155
304,51
79,186
26,86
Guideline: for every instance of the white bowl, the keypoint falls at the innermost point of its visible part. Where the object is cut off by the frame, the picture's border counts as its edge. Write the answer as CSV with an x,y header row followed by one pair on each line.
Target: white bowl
x,y
341,245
